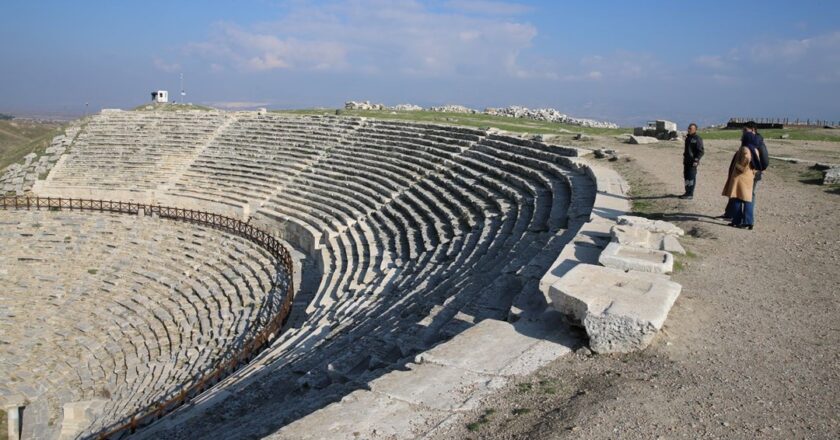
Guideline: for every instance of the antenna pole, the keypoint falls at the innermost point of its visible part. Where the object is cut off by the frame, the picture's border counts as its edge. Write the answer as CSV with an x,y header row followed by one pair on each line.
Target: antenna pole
x,y
183,92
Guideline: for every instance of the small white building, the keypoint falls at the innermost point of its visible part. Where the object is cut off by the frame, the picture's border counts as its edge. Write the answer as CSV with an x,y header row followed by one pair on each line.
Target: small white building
x,y
160,96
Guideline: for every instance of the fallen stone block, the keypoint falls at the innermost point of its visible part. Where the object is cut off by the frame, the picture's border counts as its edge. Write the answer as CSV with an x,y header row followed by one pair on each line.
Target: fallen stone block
x,y
642,140
620,311
650,225
639,237
831,176
619,256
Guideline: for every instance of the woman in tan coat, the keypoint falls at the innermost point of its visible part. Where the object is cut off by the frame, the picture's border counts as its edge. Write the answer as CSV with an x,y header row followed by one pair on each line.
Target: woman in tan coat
x,y
739,187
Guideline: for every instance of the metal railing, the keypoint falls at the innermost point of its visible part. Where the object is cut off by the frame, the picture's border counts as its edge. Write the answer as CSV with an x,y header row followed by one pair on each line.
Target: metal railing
x,y
238,359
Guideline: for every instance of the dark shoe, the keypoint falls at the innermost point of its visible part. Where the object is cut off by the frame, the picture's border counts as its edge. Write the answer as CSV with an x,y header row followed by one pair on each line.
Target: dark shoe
x,y
724,217
750,227
733,225
687,197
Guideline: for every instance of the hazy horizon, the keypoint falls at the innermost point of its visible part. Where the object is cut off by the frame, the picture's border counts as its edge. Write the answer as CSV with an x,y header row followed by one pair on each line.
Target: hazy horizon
x,y
626,63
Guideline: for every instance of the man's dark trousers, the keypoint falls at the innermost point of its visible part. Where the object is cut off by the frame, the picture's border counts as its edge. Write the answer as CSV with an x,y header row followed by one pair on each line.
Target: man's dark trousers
x,y
690,176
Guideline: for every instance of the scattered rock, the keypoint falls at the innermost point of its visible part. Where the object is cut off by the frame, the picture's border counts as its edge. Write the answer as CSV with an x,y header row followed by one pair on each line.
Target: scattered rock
x,y
831,176
784,136
642,140
582,137
407,107
453,109
363,105
546,114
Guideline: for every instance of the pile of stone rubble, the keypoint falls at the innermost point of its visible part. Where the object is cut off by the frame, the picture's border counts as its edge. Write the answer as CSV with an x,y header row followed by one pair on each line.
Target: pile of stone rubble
x,y
451,108
18,178
547,114
367,105
513,111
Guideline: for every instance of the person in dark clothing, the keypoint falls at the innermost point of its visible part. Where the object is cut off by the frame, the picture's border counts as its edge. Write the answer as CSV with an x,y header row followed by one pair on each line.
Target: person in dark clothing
x,y
691,159
760,161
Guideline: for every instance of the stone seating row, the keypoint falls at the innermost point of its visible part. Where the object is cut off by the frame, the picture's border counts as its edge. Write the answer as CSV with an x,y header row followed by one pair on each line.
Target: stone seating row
x,y
620,311
145,307
438,253
421,231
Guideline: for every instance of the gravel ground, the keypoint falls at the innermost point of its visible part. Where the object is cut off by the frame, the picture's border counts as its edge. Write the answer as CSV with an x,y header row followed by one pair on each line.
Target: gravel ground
x,y
752,347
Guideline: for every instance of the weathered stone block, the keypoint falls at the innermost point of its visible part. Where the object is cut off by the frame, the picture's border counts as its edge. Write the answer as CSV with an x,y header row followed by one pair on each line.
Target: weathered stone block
x,y
642,140
625,258
650,225
639,237
831,176
620,311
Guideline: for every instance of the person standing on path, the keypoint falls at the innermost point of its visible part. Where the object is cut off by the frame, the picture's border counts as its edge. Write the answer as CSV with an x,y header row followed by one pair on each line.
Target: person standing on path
x,y
739,185
761,162
691,160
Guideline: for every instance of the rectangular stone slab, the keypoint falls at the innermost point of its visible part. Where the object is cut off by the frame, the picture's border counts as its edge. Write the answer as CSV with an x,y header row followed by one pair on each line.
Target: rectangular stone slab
x,y
651,225
497,348
363,414
621,311
436,386
622,257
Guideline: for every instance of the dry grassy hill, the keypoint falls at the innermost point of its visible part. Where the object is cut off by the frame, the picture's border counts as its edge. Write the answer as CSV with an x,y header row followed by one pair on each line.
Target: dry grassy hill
x,y
21,137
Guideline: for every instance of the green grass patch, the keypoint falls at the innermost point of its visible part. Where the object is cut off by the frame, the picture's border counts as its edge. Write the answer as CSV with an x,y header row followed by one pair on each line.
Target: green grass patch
x,y
520,411
4,427
794,134
548,386
517,125
811,177
93,271
482,420
525,387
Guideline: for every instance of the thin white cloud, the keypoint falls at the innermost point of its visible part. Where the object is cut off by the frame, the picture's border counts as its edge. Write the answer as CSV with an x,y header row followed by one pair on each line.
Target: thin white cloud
x,y
253,51
710,61
162,65
621,65
377,36
794,51
488,7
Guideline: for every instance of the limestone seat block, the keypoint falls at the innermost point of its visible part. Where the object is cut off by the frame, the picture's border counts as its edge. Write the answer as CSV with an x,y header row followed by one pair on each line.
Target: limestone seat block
x,y
623,257
640,237
651,225
620,311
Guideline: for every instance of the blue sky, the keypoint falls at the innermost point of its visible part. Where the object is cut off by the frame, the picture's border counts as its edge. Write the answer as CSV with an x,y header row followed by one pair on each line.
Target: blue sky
x,y
622,61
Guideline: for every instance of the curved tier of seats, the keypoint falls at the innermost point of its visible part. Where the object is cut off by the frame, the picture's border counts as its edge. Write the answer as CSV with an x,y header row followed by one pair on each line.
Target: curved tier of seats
x,y
121,309
414,231
146,147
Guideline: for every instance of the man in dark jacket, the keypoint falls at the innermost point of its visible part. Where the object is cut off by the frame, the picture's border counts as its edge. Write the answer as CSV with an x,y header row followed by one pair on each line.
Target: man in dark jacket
x,y
761,162
691,159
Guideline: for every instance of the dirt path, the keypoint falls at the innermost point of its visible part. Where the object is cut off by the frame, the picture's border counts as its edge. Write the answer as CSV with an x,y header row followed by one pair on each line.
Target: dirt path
x,y
752,346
